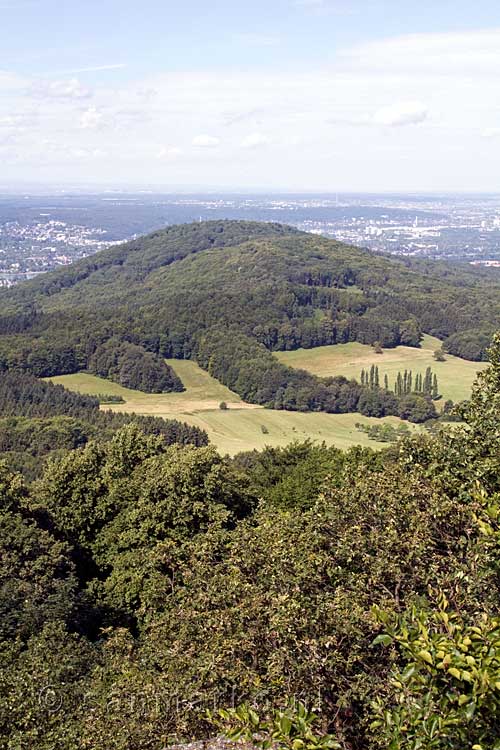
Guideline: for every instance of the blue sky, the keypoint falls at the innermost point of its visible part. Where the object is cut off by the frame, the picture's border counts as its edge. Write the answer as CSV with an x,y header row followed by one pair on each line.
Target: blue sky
x,y
284,94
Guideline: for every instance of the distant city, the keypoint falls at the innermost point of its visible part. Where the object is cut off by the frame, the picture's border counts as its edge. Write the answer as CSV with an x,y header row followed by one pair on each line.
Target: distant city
x,y
40,233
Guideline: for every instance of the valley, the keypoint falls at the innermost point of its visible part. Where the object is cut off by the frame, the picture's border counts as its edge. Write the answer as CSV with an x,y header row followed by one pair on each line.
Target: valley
x,y
240,427
249,376
181,516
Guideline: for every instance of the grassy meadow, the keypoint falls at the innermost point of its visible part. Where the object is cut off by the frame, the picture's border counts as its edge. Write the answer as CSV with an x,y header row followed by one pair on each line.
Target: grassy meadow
x,y
455,376
242,426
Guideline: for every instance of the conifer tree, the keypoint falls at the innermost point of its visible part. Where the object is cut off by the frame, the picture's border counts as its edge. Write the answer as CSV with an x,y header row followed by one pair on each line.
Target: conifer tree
x,y
435,389
398,388
376,380
372,377
427,388
386,382
405,382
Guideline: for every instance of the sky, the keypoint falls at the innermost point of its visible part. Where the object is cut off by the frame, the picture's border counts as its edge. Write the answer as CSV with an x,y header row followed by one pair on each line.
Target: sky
x,y
271,95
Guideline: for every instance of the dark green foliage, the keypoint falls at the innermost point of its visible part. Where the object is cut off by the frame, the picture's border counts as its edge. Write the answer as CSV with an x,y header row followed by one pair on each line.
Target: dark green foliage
x,y
384,433
416,408
37,576
137,577
41,428
229,293
109,398
373,377
40,436
25,395
292,477
377,403
413,393
141,582
133,367
472,344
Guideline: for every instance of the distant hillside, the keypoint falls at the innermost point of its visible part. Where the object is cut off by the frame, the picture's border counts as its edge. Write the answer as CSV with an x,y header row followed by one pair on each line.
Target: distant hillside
x,y
228,294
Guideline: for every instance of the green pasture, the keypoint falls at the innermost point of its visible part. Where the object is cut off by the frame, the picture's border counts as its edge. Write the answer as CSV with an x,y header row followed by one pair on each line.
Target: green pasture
x,y
242,426
455,375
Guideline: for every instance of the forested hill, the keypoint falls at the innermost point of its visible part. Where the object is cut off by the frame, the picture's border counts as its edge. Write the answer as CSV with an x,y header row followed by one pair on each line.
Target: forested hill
x,y
228,294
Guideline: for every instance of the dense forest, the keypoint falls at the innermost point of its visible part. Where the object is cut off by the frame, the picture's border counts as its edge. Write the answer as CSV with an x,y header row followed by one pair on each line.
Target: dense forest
x,y
39,420
228,294
302,596
133,367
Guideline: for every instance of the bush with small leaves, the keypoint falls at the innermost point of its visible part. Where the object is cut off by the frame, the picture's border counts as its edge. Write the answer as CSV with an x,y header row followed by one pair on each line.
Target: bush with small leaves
x,y
446,694
295,728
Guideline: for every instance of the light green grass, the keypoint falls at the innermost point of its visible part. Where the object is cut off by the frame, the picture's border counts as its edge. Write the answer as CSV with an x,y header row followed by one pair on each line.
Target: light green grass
x,y
455,376
236,429
202,391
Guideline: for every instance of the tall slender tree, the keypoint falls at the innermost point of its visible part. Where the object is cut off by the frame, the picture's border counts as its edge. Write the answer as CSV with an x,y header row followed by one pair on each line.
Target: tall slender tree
x,y
435,389
427,388
398,388
372,377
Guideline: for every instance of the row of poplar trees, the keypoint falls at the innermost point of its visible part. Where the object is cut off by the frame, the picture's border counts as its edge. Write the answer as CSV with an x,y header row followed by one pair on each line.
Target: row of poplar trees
x,y
405,383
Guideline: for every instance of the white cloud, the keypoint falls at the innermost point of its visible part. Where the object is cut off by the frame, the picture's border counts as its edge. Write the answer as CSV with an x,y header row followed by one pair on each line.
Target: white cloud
x,y
377,86
169,152
92,69
86,153
91,119
449,53
69,88
255,140
17,122
205,141
403,113
490,133
10,82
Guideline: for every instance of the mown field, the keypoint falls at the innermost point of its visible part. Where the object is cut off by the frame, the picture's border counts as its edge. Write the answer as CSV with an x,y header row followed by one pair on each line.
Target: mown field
x,y
242,426
455,376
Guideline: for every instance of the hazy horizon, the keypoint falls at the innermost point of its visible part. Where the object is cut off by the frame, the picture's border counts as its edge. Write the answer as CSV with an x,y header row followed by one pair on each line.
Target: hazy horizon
x,y
308,96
